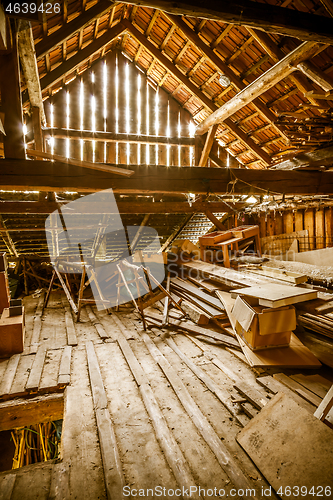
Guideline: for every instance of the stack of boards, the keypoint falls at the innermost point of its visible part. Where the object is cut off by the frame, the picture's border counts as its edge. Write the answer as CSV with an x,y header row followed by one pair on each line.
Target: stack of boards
x,y
206,304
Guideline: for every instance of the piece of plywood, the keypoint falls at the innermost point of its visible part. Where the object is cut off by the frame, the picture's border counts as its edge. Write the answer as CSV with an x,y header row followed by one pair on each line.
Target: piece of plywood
x,y
276,295
296,355
290,447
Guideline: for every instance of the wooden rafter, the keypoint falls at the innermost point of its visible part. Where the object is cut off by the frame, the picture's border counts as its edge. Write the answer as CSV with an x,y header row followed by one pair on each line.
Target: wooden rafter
x,y
194,89
222,67
220,37
167,37
240,50
182,52
271,18
276,54
319,77
68,30
151,23
261,84
71,64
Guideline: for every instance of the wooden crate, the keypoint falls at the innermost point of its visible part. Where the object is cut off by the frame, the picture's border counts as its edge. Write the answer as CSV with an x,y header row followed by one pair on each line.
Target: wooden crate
x,y
12,330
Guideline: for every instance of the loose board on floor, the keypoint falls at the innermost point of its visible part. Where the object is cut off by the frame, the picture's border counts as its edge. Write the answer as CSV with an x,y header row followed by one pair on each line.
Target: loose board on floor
x,y
273,295
290,447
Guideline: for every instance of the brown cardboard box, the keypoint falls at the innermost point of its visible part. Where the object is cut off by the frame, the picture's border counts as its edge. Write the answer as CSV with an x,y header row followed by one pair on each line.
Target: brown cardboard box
x,y
12,330
256,341
263,327
4,291
263,320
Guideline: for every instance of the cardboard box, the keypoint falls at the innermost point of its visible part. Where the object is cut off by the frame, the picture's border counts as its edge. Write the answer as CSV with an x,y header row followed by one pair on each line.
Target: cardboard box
x,y
256,342
4,291
12,331
262,327
263,320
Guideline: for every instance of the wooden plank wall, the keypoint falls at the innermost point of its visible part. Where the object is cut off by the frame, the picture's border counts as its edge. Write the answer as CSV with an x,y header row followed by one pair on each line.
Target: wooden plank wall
x,y
318,223
114,96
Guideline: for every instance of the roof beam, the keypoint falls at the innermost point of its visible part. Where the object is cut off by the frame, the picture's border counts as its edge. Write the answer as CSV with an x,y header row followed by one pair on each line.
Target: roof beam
x,y
269,18
69,29
28,60
40,175
194,89
122,207
319,77
265,82
222,67
71,64
276,55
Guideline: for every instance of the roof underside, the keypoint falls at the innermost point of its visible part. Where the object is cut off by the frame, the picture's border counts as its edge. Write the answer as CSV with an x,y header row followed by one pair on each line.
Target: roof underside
x,y
283,123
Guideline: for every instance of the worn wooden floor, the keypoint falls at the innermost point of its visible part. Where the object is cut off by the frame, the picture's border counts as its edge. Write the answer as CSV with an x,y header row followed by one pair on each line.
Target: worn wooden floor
x,y
136,415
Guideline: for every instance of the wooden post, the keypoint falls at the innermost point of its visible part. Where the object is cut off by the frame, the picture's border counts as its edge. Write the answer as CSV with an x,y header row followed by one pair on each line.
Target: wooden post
x,y
185,119
320,228
288,222
198,149
278,223
208,146
309,225
271,224
328,226
10,87
299,225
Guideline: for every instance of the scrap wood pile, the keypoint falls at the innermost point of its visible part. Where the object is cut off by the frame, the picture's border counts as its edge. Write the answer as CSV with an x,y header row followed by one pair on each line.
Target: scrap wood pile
x,y
258,319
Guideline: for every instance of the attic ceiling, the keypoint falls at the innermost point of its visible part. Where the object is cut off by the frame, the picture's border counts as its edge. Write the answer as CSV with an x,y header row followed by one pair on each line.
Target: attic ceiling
x,y
198,51
203,64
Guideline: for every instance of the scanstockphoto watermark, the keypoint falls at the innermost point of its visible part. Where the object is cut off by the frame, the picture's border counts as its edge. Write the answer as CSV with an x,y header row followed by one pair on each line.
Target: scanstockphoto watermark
x,y
194,491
